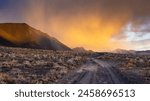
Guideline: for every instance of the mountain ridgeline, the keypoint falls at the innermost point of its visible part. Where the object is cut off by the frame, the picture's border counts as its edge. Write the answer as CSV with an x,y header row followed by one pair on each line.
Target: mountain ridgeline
x,y
23,36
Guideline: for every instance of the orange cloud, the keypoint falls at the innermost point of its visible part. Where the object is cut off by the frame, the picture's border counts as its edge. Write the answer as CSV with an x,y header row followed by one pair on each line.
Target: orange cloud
x,y
89,30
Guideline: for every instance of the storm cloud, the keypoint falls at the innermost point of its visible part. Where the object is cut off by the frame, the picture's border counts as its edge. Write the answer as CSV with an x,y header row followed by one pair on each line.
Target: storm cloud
x,y
88,23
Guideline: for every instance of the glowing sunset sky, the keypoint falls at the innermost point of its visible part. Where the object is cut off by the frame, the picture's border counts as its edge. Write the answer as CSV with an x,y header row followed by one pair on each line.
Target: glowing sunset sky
x,y
93,24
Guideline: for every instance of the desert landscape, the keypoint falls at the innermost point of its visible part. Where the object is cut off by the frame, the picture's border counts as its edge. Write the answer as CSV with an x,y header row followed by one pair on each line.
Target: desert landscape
x,y
35,66
74,42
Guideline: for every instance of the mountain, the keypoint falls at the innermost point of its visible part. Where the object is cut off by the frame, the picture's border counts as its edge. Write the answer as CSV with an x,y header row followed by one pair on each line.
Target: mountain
x,y
24,36
122,51
146,52
79,49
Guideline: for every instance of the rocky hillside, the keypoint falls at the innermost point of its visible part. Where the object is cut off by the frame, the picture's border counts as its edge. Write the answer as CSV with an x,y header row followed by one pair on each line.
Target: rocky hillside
x,y
24,36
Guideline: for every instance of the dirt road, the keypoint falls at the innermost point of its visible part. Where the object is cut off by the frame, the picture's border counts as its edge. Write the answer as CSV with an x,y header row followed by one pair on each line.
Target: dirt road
x,y
108,67
93,72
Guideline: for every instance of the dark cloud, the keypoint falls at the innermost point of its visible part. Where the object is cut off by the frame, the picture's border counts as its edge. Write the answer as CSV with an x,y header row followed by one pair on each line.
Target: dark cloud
x,y
136,12
138,8
11,10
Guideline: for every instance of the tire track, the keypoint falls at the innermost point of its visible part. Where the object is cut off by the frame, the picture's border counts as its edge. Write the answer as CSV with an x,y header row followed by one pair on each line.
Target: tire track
x,y
93,72
108,67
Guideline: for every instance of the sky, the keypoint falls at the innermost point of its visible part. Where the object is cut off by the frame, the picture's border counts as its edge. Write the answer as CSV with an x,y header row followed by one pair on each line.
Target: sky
x,y
100,25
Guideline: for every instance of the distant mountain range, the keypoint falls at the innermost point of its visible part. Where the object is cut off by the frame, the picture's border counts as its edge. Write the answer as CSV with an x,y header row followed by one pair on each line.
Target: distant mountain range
x,y
24,36
146,52
122,51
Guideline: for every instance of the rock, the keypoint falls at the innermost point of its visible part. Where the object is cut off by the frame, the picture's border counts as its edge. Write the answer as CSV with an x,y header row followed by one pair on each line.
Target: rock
x,y
141,61
27,63
70,61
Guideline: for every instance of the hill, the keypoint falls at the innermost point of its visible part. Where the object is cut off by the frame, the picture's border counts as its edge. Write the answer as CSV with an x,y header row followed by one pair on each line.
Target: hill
x,y
24,36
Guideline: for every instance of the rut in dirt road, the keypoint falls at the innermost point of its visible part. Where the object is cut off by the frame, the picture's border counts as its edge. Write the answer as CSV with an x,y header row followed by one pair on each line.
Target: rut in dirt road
x,y
93,72
109,69
84,75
